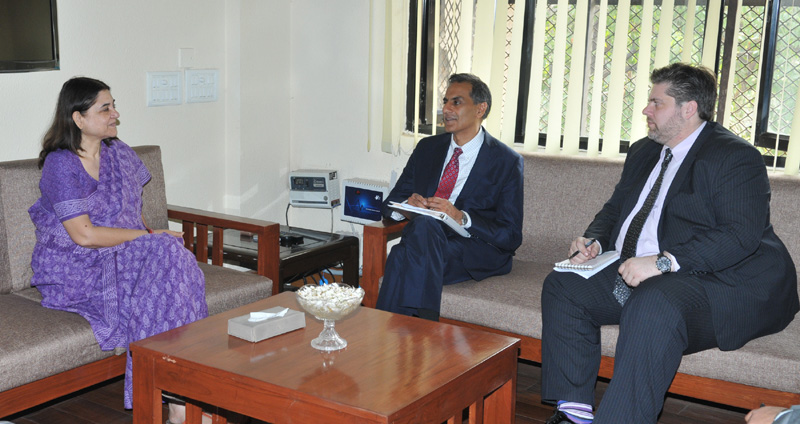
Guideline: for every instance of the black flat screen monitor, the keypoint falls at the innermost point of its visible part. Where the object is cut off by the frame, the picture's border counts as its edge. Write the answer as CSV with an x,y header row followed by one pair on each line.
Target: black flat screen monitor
x,y
28,35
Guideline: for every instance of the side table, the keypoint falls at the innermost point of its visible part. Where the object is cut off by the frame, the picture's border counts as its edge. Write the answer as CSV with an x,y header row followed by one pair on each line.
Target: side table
x,y
318,251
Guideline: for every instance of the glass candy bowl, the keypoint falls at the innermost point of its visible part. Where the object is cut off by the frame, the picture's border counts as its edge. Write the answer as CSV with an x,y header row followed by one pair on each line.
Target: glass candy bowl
x,y
329,303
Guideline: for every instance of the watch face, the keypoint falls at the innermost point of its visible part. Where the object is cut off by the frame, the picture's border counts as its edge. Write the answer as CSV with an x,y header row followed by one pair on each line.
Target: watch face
x,y
664,264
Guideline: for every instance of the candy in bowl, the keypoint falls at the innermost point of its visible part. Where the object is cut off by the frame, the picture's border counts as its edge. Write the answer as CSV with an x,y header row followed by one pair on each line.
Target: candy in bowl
x,y
329,302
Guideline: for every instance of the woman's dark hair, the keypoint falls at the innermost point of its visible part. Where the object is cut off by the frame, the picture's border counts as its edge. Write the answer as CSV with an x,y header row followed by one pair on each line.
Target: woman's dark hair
x,y
77,94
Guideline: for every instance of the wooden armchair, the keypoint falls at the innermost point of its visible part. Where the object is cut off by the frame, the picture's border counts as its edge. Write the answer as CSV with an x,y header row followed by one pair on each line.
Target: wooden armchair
x,y
374,260
268,234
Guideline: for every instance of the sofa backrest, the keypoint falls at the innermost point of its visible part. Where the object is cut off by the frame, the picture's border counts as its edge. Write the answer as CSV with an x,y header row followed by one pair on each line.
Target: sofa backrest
x,y
563,193
784,212
19,190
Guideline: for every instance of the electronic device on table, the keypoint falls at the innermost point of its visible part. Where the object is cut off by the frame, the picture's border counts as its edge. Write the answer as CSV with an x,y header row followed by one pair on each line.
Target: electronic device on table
x,y
314,188
363,200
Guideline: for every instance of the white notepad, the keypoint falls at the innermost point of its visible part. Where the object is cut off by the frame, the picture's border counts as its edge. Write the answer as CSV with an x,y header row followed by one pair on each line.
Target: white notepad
x,y
590,267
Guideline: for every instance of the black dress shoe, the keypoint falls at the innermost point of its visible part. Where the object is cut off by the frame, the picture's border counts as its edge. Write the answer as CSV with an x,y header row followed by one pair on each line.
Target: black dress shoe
x,y
559,418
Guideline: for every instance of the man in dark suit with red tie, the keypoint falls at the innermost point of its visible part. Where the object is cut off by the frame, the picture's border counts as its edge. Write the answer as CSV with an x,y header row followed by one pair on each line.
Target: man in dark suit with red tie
x,y
477,181
700,266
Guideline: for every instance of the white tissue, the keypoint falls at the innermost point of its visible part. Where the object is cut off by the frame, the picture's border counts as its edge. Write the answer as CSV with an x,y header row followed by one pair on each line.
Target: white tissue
x,y
261,316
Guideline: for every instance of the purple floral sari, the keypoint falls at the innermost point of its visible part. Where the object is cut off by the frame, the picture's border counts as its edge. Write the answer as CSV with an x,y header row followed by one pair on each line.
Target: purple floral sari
x,y
127,292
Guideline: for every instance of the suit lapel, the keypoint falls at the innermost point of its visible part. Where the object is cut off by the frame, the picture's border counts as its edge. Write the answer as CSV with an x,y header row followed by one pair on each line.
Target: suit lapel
x,y
483,163
438,156
688,162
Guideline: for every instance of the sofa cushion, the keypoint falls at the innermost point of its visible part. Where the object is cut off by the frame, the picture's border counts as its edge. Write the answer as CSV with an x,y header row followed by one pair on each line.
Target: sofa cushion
x,y
227,289
512,303
19,190
771,361
508,302
38,342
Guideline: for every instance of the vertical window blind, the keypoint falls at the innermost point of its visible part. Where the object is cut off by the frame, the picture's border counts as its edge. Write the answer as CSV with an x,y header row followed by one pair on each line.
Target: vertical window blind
x,y
573,75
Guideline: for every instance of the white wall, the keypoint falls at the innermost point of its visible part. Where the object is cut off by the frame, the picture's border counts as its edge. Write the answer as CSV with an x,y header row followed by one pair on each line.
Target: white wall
x,y
329,108
118,42
293,95
266,49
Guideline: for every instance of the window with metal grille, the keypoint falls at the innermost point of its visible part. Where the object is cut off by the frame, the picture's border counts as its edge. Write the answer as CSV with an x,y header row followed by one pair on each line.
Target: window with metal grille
x,y
752,46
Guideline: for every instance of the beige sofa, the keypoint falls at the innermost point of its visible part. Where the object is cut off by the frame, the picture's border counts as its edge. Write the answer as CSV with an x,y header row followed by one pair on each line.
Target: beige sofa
x,y
45,354
562,194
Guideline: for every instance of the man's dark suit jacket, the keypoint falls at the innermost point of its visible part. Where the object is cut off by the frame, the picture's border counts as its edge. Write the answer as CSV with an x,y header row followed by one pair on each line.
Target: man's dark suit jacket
x,y
715,221
492,196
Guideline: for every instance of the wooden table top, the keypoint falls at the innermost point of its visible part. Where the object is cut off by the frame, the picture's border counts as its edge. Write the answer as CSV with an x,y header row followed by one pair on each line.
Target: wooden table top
x,y
390,362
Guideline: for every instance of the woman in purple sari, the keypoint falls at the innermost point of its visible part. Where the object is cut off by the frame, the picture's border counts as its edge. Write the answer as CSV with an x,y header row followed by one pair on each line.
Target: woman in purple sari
x,y
94,255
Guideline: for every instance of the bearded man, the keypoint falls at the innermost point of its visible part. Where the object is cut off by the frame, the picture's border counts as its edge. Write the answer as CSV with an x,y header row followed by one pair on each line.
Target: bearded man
x,y
700,266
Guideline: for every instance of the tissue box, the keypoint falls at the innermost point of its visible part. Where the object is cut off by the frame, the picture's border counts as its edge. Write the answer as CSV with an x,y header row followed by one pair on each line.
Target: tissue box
x,y
256,331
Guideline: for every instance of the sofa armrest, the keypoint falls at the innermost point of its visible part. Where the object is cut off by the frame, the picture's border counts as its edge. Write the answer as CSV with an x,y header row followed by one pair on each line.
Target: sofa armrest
x,y
374,260
268,234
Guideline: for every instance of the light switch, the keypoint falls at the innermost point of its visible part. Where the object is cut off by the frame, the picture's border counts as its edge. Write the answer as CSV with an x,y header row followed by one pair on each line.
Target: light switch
x,y
163,88
201,85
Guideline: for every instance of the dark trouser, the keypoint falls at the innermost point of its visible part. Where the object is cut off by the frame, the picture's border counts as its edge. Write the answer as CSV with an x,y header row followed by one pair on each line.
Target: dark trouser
x,y
427,258
666,317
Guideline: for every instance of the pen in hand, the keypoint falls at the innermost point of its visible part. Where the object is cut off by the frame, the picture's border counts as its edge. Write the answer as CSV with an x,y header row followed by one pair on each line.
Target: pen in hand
x,y
588,243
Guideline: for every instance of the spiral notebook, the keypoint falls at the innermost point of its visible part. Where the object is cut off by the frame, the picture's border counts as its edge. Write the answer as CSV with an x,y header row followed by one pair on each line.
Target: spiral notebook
x,y
590,267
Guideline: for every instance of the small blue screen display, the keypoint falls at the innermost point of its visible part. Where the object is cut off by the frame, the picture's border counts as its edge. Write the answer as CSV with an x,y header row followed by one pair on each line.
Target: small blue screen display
x,y
362,203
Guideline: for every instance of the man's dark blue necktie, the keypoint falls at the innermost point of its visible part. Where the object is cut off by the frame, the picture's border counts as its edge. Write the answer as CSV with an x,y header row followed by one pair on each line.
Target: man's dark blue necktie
x,y
621,290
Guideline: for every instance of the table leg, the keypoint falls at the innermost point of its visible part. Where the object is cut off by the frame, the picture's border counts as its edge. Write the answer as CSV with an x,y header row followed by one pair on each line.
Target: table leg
x,y
146,399
499,407
350,266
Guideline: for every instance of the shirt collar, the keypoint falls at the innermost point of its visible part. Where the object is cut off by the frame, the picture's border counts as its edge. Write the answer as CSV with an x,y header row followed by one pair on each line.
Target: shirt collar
x,y
471,146
682,149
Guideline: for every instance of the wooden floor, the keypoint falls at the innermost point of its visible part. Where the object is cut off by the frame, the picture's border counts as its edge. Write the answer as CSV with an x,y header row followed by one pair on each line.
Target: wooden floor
x,y
103,405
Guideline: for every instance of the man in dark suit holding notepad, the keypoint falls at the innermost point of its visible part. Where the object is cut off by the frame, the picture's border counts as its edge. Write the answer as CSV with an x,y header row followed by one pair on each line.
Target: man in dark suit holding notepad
x,y
700,266
474,179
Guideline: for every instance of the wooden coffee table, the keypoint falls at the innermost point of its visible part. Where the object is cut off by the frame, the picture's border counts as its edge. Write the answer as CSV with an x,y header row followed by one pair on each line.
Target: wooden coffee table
x,y
395,369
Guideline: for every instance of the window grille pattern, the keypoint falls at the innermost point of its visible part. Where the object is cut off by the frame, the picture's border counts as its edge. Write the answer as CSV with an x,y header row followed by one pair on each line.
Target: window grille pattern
x,y
679,23
602,38
549,46
635,33
507,60
787,69
450,26
547,75
632,111
746,73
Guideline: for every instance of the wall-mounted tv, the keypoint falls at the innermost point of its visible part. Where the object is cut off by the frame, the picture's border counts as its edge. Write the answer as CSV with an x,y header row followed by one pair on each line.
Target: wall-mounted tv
x,y
28,35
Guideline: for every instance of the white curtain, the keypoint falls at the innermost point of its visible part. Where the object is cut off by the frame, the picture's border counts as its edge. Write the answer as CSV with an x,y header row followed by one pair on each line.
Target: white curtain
x,y
387,75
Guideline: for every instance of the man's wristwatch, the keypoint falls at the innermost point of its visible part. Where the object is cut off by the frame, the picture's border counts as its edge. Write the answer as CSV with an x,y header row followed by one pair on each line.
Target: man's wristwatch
x,y
463,218
663,263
